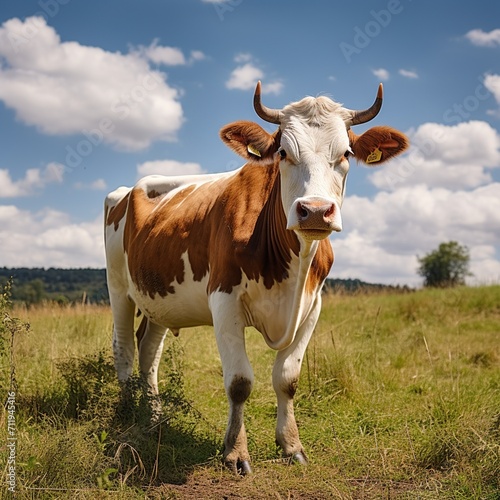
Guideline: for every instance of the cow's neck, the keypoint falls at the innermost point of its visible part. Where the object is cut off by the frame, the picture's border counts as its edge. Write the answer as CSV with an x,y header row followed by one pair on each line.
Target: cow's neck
x,y
271,245
276,245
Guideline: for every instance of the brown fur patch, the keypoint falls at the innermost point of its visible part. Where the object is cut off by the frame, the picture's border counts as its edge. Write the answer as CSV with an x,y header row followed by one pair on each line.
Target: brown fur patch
x,y
255,228
240,389
155,241
117,212
291,388
320,267
153,194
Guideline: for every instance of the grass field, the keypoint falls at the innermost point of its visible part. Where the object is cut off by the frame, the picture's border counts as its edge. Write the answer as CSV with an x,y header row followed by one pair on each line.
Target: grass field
x,y
399,397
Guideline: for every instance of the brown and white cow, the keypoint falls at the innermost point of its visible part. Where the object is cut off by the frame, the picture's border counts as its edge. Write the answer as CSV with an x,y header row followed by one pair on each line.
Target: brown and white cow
x,y
238,249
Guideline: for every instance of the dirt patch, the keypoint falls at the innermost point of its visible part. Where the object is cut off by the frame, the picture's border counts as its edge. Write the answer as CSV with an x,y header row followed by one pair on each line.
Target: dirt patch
x,y
227,488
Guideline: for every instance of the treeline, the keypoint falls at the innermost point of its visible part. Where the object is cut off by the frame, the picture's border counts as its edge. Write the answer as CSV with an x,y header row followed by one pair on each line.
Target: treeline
x,y
353,286
34,285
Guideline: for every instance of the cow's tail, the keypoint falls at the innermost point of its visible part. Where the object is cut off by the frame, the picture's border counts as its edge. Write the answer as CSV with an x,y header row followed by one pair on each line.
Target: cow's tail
x,y
139,334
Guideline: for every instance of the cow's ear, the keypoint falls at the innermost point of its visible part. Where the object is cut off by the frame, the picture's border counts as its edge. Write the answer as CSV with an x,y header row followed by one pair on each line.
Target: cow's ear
x,y
249,140
378,144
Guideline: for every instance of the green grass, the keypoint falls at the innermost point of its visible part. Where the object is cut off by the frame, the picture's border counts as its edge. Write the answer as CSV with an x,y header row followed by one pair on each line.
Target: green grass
x,y
399,397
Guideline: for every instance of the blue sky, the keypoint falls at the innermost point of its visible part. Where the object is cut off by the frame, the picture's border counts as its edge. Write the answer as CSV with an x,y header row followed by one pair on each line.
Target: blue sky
x,y
94,95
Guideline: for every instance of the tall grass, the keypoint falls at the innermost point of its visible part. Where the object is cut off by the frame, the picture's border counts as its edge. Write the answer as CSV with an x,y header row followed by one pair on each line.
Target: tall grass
x,y
399,397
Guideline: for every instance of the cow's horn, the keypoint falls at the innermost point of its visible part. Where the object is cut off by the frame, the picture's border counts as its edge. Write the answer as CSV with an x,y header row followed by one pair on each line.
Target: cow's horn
x,y
267,114
366,115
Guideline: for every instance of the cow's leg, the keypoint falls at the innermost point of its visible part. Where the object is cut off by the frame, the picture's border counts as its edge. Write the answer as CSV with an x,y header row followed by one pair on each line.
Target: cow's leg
x,y
150,339
150,349
123,335
238,381
286,372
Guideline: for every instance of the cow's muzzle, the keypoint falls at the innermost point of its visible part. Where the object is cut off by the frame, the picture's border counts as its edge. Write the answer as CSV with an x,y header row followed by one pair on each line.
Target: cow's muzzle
x,y
315,218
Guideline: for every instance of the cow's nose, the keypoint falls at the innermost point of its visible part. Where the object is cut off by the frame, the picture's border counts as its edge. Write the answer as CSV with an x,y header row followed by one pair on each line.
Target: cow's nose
x,y
315,214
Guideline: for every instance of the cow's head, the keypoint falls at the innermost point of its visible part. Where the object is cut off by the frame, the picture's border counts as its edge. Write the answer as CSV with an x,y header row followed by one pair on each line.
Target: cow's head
x,y
312,145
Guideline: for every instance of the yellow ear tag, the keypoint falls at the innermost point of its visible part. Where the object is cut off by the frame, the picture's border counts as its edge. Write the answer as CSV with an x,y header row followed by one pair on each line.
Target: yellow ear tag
x,y
253,150
374,156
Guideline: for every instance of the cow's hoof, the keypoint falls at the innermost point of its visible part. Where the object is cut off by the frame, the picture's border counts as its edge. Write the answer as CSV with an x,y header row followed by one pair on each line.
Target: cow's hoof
x,y
244,467
240,467
299,458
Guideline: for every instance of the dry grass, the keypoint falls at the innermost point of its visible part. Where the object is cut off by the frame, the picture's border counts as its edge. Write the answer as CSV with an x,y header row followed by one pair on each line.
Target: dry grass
x,y
399,398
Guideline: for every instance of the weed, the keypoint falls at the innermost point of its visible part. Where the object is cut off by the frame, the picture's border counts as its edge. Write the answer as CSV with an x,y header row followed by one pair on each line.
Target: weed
x,y
104,482
101,440
10,328
88,381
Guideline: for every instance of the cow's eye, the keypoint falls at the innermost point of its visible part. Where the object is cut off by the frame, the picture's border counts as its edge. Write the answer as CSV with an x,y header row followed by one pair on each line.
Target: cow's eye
x,y
282,153
348,152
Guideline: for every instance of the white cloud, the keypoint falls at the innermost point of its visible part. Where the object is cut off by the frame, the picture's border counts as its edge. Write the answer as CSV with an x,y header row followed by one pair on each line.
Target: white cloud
x,y
97,185
358,257
381,73
484,39
408,73
454,157
68,88
243,57
485,268
48,238
197,55
392,228
53,172
245,77
34,179
170,56
168,167
492,83
272,87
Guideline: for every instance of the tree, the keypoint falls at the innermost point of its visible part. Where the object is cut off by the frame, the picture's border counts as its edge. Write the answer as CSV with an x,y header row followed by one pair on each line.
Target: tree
x,y
445,267
31,292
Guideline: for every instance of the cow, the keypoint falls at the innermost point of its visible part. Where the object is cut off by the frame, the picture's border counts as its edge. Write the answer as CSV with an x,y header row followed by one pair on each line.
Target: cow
x,y
243,248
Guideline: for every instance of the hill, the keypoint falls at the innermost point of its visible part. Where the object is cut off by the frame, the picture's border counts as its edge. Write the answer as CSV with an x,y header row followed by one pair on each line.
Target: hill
x,y
33,285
